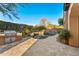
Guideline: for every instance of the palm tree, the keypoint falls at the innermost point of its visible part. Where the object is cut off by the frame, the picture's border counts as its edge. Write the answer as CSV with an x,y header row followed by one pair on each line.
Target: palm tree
x,y
9,9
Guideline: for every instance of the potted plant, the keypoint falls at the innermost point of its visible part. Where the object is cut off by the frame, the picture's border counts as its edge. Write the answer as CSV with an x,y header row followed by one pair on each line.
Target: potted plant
x,y
64,36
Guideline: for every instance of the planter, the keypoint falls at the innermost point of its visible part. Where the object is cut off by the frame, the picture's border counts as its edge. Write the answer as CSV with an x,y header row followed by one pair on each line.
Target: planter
x,y
64,36
64,41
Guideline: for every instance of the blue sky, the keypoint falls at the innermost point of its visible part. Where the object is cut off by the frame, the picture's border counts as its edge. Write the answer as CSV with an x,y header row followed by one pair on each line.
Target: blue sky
x,y
33,12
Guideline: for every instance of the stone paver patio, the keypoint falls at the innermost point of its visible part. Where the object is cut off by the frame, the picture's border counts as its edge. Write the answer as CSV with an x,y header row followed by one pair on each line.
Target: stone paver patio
x,y
51,47
19,49
10,45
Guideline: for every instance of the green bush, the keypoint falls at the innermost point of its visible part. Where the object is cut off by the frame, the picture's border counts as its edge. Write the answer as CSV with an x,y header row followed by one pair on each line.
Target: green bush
x,y
58,31
26,31
38,28
41,28
33,29
64,34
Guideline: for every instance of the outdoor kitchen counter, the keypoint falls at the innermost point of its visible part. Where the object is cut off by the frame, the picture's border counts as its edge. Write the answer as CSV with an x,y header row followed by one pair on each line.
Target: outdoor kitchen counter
x,y
2,34
19,34
9,37
2,39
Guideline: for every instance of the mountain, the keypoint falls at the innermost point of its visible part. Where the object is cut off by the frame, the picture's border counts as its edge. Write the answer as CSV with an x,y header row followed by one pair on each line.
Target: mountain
x,y
12,26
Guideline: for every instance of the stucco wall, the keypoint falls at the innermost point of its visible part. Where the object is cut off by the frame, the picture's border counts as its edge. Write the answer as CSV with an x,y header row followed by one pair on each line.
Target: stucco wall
x,y
74,30
66,19
73,24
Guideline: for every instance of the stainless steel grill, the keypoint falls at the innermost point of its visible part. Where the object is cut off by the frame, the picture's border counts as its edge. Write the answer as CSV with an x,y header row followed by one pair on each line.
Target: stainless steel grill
x,y
10,33
10,36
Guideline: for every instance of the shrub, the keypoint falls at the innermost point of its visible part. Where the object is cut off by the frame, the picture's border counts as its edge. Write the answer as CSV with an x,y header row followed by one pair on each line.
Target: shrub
x,y
58,31
34,29
41,28
64,34
38,28
26,31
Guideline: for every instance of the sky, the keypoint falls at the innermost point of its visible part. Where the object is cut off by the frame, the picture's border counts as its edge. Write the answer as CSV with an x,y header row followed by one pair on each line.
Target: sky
x,y
32,13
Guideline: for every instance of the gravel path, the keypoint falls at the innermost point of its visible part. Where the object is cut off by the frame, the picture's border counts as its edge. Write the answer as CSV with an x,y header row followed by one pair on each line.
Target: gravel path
x,y
51,47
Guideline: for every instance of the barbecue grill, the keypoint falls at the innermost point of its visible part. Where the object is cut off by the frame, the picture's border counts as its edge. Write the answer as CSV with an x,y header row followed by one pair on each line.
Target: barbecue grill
x,y
10,36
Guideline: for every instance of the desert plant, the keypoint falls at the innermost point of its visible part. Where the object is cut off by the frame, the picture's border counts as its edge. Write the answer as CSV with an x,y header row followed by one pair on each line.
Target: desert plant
x,y
64,36
8,9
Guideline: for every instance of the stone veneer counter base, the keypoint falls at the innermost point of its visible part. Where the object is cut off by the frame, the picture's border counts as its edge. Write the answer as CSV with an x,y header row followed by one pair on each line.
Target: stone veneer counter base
x,y
18,50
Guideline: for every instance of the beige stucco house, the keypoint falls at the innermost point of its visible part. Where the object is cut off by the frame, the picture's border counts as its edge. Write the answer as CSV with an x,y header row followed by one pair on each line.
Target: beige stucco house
x,y
71,22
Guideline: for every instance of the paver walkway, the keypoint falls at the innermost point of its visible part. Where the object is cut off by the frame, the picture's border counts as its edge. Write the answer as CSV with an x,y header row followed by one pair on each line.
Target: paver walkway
x,y
51,47
5,47
19,49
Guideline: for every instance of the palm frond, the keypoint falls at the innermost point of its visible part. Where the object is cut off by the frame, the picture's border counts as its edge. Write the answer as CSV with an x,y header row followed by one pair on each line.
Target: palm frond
x,y
9,10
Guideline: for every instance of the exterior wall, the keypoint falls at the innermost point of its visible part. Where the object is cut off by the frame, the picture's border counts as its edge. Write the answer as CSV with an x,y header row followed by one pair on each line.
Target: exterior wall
x,y
66,19
74,30
72,17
